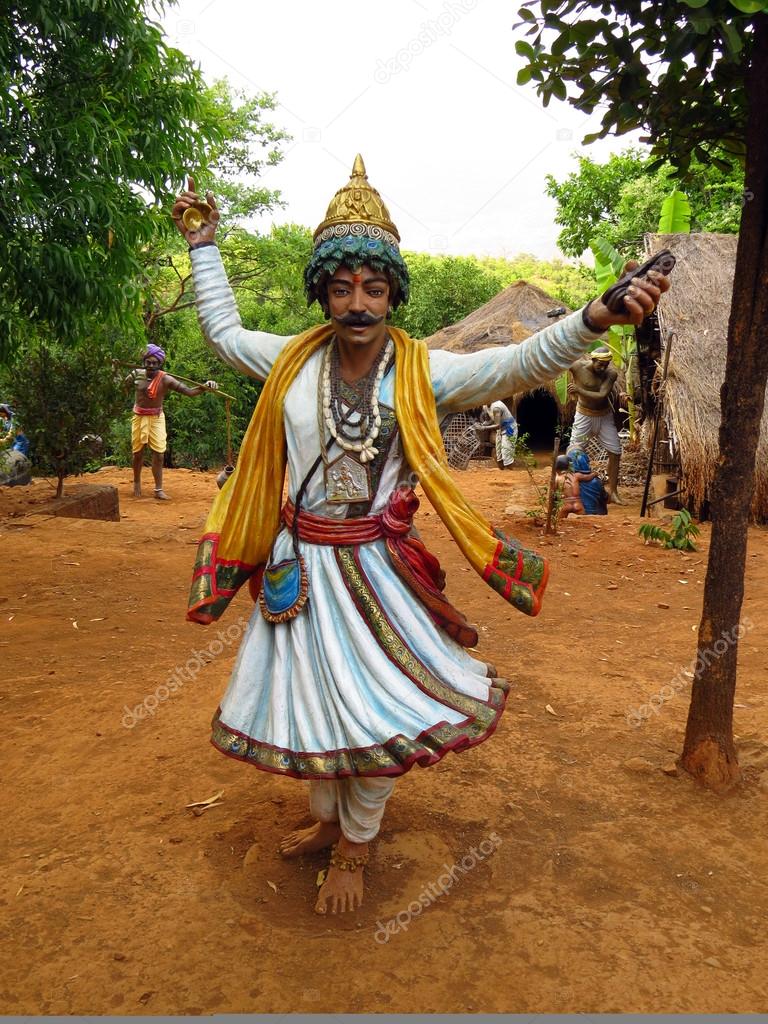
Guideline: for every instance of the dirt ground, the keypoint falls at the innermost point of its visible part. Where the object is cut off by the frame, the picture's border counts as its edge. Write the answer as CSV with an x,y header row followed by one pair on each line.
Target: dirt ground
x,y
609,886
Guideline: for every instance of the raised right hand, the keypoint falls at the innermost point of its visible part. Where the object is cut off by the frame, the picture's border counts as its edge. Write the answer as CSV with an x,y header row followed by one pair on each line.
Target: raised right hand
x,y
207,232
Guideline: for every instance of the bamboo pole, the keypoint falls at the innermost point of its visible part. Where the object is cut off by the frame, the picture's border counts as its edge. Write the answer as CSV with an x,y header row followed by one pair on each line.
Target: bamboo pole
x,y
178,376
548,528
656,420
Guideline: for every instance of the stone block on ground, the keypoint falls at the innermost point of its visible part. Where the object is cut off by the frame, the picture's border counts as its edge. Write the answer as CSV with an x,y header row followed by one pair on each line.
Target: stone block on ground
x,y
89,501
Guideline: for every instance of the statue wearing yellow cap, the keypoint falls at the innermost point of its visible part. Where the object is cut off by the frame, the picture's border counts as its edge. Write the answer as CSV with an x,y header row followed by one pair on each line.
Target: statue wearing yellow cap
x,y
357,231
354,666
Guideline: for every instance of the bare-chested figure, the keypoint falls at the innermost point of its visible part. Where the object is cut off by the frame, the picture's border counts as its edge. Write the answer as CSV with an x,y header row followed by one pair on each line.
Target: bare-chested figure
x,y
568,482
148,425
593,379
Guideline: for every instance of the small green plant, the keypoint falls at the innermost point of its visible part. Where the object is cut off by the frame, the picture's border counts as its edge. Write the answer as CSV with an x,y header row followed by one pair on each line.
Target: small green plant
x,y
682,529
538,512
524,457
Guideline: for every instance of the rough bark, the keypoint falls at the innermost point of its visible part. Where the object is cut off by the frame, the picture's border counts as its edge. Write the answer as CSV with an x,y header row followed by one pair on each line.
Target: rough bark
x,y
709,752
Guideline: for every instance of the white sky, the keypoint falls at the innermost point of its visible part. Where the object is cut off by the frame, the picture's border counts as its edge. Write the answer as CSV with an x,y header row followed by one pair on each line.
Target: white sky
x,y
458,151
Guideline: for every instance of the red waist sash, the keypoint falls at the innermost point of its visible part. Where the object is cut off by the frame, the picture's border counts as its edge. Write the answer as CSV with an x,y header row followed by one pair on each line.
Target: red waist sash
x,y
139,411
415,565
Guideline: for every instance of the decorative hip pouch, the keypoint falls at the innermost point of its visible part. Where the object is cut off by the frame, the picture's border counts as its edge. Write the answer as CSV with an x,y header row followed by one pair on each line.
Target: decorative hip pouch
x,y
284,589
285,585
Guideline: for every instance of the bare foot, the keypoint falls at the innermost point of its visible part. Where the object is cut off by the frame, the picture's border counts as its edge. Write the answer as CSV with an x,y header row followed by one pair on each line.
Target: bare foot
x,y
614,499
137,490
342,890
161,495
319,836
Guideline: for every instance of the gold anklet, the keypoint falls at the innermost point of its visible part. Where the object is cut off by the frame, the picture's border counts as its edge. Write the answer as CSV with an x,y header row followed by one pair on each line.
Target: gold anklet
x,y
343,863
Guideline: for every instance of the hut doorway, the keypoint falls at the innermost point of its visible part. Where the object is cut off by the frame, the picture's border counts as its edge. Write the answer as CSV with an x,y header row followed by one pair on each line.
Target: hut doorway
x,y
538,416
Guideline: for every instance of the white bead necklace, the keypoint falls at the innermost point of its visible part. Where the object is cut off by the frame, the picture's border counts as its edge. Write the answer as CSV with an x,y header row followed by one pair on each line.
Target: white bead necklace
x,y
364,448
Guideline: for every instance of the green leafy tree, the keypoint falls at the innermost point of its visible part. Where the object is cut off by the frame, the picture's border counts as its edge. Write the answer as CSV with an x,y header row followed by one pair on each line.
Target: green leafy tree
x,y
692,75
587,199
571,283
246,145
444,289
98,118
265,272
60,397
620,200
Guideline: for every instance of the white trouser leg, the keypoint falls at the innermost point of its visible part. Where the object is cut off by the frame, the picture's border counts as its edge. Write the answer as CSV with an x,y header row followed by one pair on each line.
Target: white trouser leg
x,y
322,800
508,445
357,804
361,807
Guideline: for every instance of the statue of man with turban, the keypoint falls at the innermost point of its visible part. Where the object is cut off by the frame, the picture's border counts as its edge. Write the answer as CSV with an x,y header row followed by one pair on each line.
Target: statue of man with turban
x,y
593,379
355,667
152,384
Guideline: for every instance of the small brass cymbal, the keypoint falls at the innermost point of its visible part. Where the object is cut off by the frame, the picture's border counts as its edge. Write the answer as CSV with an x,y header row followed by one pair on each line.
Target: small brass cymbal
x,y
195,216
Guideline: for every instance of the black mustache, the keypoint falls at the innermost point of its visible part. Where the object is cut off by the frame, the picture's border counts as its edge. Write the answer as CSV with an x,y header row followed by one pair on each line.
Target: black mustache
x,y
358,320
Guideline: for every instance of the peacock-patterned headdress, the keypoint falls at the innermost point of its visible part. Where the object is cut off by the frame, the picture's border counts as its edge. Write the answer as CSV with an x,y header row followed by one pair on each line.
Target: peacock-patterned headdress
x,y
357,230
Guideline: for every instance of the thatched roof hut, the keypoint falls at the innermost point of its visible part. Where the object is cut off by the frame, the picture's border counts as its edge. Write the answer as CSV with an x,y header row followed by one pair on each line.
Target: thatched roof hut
x,y
509,318
696,310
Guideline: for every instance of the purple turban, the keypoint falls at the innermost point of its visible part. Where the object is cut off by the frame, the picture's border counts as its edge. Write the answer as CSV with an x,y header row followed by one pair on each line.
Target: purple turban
x,y
156,351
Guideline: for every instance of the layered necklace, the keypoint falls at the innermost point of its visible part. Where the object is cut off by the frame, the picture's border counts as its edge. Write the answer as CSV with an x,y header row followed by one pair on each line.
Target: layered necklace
x,y
354,426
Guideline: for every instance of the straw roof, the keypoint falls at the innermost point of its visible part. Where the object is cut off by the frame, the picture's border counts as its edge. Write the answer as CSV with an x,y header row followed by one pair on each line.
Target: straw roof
x,y
697,310
509,318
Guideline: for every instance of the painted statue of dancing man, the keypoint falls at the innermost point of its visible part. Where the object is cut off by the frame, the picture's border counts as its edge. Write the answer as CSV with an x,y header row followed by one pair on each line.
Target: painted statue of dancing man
x,y
355,667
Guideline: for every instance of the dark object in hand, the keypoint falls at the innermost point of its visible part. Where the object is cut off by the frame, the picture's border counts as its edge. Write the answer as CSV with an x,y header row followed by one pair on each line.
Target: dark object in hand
x,y
613,297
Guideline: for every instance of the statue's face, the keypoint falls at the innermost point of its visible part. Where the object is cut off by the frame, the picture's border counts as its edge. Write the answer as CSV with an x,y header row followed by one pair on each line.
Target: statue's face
x,y
151,364
358,302
600,366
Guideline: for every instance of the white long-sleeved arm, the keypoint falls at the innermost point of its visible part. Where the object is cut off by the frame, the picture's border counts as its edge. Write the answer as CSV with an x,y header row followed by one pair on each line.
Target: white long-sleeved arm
x,y
251,352
467,381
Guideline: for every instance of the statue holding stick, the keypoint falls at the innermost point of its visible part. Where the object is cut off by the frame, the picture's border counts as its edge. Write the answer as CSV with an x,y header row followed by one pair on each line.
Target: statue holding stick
x,y
152,384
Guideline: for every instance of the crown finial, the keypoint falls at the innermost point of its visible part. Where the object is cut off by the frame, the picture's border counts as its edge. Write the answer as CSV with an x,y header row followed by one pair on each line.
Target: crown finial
x,y
357,208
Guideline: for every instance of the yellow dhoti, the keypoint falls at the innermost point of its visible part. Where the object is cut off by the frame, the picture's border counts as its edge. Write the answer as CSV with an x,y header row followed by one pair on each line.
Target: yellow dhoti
x,y
148,430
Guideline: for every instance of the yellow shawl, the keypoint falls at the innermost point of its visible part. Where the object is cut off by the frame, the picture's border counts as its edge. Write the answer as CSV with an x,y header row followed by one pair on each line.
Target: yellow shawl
x,y
245,517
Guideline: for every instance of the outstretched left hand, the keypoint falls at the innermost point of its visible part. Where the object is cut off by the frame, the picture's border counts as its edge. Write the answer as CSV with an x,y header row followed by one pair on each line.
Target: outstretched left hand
x,y
211,385
641,300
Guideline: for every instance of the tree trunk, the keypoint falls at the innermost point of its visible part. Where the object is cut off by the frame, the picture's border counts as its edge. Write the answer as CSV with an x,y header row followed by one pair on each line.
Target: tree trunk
x,y
60,486
709,752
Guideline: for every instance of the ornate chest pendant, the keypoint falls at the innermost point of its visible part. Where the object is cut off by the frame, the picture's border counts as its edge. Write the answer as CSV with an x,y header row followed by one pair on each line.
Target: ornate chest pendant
x,y
347,481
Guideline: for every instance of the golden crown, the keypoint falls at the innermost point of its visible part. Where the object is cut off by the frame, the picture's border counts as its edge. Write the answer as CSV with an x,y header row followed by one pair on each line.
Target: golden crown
x,y
357,202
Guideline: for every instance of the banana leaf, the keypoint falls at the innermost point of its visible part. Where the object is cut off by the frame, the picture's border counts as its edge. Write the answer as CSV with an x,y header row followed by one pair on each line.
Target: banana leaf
x,y
675,214
608,263
561,387
615,342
